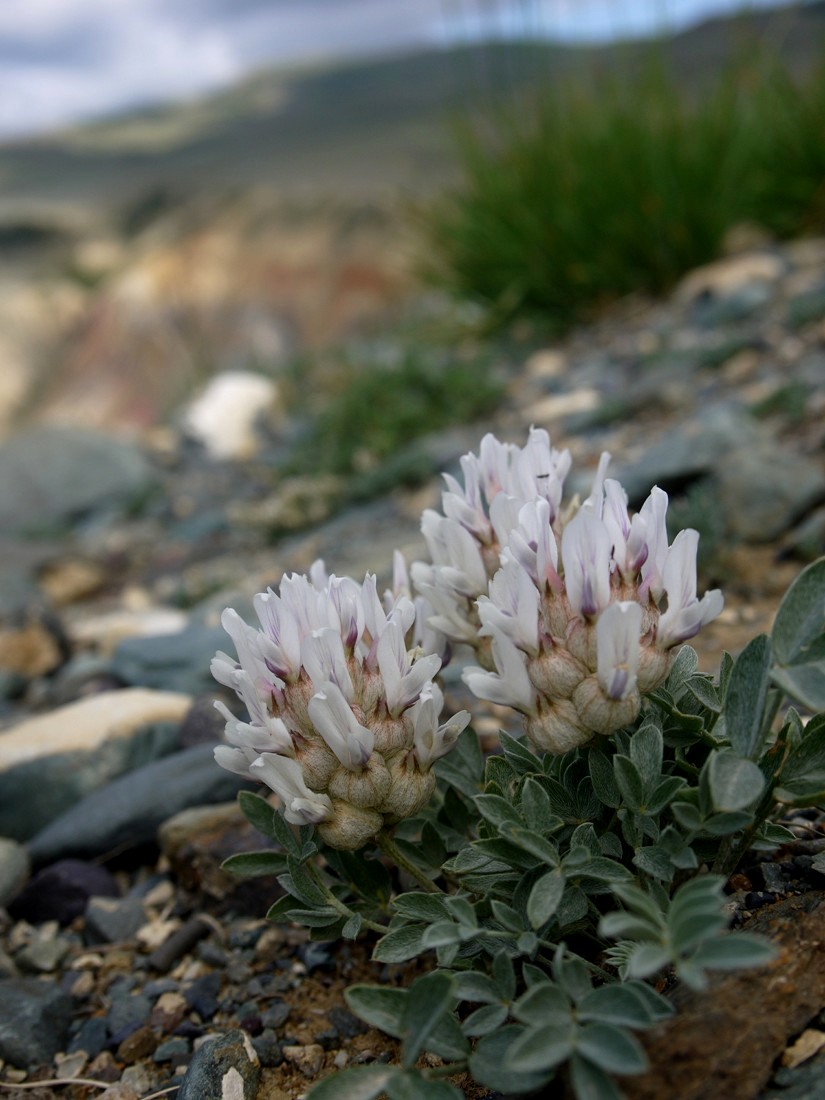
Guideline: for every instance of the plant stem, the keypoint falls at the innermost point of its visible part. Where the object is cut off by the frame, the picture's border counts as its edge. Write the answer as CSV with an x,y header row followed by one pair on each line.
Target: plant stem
x,y
393,852
336,903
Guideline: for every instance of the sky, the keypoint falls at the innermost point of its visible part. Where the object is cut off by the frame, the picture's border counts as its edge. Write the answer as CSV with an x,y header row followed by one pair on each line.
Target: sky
x,y
66,60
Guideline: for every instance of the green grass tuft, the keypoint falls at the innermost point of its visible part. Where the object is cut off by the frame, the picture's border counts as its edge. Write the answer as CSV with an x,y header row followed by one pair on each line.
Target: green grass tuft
x,y
590,193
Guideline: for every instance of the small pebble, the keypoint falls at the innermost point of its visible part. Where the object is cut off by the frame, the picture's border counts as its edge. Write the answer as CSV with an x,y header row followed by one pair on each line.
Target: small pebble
x,y
307,1059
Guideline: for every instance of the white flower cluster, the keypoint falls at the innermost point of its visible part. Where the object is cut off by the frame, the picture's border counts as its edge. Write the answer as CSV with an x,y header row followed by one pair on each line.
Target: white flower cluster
x,y
343,718
572,615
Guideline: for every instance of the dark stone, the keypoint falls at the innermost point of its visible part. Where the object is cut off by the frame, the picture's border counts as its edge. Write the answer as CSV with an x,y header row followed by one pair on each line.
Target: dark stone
x,y
174,1050
223,1064
278,1013
113,920
137,1046
92,1037
34,1021
202,995
126,1015
329,1039
316,956
61,891
268,1049
53,477
202,724
129,811
170,662
347,1025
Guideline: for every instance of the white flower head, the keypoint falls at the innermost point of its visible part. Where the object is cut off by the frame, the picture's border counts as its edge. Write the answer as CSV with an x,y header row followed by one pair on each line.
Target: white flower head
x,y
283,775
585,553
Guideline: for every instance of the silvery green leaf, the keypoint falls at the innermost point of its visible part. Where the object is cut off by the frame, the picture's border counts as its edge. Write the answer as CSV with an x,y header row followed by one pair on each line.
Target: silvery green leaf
x,y
619,1003
314,918
602,869
427,1001
561,800
770,835
601,775
572,907
261,815
663,793
538,846
703,689
414,1086
611,846
804,683
504,975
477,988
443,933
723,824
744,705
646,753
545,897
507,851
611,1048
484,1020
420,906
818,863
584,836
808,756
734,951
527,944
646,959
448,1040
462,910
497,811
400,944
735,783
519,755
545,1003
506,916
655,861
590,1082
540,1049
492,1067
687,815
685,665
303,885
535,806
642,903
352,927
370,877
801,615
500,772
255,864
379,1006
629,781
358,1083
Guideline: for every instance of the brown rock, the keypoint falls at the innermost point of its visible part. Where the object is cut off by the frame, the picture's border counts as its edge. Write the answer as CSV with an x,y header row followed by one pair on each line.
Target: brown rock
x,y
169,1010
31,649
140,1044
724,1042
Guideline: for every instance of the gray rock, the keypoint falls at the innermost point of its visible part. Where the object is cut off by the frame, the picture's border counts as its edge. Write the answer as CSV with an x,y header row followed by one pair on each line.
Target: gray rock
x,y
43,955
127,1014
113,920
34,1021
49,762
171,662
764,489
14,870
690,452
92,1037
130,810
174,1050
226,1066
53,477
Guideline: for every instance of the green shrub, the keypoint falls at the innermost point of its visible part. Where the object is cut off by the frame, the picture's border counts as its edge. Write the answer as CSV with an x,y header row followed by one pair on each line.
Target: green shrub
x,y
590,193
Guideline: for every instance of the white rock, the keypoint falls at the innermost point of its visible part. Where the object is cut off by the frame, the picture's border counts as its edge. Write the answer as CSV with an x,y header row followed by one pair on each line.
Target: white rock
x,y
86,725
223,417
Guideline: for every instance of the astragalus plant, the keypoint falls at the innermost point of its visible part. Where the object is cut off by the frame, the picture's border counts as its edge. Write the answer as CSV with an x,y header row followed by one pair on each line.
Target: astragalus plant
x,y
546,885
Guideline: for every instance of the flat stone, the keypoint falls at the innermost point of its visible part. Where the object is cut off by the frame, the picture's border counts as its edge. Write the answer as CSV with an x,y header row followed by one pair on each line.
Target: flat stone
x,y
308,1059
225,1067
170,662
34,1020
49,762
53,477
14,870
130,810
61,891
765,489
113,920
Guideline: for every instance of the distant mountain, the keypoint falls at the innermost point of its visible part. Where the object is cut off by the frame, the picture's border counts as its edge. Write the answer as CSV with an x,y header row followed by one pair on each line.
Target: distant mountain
x,y
359,127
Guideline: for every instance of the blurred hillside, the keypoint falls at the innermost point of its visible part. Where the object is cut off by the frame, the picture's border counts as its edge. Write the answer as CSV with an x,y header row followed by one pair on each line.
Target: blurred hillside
x,y
141,254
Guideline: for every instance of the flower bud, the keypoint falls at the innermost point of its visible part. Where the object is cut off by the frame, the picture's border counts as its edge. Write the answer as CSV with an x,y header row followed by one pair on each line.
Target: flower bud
x,y
556,728
349,827
600,713
410,789
365,787
556,673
